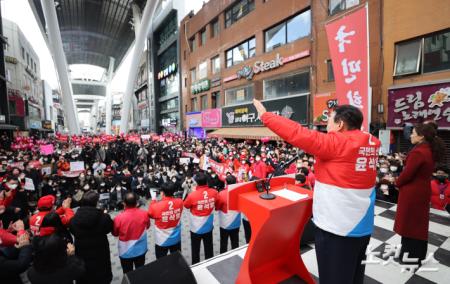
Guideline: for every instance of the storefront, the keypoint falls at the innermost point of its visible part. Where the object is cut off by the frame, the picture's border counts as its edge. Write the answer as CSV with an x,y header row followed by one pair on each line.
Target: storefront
x,y
194,125
417,103
242,121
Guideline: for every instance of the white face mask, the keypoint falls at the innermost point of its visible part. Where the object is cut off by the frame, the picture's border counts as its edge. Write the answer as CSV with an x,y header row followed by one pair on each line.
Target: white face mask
x,y
258,159
383,170
394,169
86,187
12,186
384,187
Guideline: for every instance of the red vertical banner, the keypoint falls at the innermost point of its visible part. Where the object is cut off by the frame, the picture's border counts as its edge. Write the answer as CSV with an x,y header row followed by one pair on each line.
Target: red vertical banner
x,y
348,41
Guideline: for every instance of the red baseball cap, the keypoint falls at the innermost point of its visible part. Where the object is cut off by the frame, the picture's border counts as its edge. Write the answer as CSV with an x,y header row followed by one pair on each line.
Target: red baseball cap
x,y
46,202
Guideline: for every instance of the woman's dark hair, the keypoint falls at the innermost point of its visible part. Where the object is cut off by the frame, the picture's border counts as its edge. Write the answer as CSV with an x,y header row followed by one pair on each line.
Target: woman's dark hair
x,y
168,188
50,253
300,178
304,170
201,179
429,132
351,116
90,198
230,179
52,219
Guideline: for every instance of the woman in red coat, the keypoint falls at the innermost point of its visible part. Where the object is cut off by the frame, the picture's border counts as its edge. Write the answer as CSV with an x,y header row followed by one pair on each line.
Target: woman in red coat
x,y
412,218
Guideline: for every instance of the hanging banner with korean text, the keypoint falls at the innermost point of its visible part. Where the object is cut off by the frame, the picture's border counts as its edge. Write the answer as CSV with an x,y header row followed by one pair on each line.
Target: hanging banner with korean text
x,y
419,103
349,50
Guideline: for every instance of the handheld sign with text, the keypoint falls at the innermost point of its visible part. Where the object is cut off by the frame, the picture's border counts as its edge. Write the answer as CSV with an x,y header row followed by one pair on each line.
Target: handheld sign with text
x,y
77,166
29,185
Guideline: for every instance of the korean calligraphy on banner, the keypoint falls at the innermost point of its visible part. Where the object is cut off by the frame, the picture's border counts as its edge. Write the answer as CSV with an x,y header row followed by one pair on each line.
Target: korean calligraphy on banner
x,y
349,49
415,104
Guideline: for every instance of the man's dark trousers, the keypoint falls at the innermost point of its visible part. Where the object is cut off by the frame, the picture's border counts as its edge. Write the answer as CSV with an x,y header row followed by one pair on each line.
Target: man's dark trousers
x,y
339,258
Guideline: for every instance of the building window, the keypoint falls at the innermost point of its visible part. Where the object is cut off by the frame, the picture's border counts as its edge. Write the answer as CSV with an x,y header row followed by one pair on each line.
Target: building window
x,y
204,101
408,57
215,100
34,64
432,52
8,75
336,6
170,105
239,95
291,85
238,10
330,72
436,52
23,52
193,75
240,52
28,59
215,64
203,37
12,107
202,70
214,28
192,43
288,31
194,104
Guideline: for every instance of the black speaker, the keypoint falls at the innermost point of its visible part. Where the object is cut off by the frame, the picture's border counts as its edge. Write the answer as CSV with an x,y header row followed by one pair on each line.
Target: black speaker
x,y
172,268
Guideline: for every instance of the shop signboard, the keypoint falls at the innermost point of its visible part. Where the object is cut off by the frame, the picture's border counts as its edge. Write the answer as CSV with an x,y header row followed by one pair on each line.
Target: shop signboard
x,y
323,104
348,42
194,120
215,82
248,71
200,86
415,104
212,118
294,108
35,124
172,68
46,124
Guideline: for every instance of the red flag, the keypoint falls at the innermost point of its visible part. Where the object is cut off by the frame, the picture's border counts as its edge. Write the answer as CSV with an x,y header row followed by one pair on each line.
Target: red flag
x,y
349,50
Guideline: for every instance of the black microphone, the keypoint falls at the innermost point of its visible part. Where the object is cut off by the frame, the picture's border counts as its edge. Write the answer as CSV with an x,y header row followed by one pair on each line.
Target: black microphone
x,y
288,163
281,166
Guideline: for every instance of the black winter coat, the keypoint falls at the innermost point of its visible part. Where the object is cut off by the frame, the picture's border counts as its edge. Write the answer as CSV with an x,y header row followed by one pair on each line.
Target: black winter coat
x,y
11,267
90,227
73,270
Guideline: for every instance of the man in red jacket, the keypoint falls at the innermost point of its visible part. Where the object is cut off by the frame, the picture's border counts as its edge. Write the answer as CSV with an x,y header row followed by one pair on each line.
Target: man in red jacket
x,y
440,190
344,192
201,204
45,205
167,215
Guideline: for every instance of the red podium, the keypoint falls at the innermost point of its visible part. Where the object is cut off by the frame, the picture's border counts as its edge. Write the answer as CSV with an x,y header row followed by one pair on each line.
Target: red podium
x,y
273,254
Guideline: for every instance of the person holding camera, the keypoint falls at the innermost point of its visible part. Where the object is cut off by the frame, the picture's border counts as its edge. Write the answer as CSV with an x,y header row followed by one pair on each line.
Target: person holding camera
x,y
188,185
